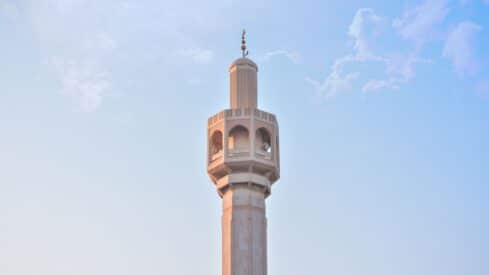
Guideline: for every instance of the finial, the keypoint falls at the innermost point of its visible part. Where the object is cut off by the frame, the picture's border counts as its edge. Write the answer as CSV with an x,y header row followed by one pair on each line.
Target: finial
x,y
243,44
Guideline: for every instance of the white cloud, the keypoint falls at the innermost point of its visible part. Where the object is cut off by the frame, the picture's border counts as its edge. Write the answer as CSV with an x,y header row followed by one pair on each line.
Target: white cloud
x,y
400,69
294,57
78,47
198,55
83,73
419,23
360,31
87,83
92,46
364,21
404,65
460,47
382,84
364,32
333,84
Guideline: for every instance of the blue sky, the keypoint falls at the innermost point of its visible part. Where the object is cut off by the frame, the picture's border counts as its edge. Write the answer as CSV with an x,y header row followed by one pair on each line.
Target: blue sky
x,y
384,116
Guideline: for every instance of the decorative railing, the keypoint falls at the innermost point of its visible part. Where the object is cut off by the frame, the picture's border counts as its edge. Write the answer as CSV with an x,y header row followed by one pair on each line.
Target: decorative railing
x,y
263,154
240,113
240,152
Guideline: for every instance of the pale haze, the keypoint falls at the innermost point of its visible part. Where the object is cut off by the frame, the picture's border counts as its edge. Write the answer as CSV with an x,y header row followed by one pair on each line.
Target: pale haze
x,y
383,109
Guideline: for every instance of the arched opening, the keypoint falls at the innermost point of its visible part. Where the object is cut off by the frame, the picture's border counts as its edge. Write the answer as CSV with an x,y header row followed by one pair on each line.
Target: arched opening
x,y
238,139
216,142
263,141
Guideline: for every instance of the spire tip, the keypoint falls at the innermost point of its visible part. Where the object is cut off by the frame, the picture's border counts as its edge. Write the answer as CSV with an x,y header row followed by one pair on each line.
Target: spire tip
x,y
243,44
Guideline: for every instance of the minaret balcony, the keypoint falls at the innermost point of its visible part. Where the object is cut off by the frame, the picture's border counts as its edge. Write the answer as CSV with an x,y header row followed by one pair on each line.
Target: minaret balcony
x,y
243,140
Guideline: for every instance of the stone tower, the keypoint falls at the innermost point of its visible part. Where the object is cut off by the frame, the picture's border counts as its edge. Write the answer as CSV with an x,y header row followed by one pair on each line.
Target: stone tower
x,y
243,163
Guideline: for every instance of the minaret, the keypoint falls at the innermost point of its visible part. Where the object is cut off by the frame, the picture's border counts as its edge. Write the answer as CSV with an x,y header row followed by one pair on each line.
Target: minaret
x,y
243,163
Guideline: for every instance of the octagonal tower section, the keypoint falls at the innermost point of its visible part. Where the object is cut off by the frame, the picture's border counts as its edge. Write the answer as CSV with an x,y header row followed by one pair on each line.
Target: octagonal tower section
x,y
243,148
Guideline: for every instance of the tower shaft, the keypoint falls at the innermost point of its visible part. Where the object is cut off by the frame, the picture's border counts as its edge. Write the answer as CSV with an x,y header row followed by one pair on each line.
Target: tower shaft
x,y
244,223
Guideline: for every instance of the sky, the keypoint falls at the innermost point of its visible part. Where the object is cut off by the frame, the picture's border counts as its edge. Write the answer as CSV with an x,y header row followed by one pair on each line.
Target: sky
x,y
383,109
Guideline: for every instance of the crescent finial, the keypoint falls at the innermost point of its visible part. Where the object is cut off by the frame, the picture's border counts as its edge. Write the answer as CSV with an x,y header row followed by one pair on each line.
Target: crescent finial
x,y
243,44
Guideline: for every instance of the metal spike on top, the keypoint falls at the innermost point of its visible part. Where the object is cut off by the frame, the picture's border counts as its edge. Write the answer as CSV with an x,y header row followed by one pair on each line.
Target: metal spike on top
x,y
243,44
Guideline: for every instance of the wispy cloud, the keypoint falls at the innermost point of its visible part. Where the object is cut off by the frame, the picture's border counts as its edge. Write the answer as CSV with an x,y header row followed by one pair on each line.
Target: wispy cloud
x,y
85,82
363,24
333,84
399,68
382,84
338,80
294,57
76,49
460,47
83,73
85,42
419,24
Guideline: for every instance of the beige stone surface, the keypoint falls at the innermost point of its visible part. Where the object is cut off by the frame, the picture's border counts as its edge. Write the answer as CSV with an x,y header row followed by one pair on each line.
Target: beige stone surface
x,y
244,232
243,88
243,162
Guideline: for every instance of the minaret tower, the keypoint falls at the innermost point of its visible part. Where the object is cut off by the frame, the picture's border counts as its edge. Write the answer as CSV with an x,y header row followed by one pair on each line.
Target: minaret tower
x,y
243,163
